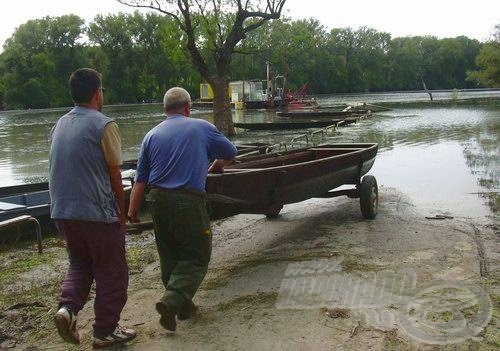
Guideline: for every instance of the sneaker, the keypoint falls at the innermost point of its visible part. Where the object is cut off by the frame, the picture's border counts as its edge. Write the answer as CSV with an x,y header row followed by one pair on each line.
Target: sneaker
x,y
119,336
167,319
65,321
187,311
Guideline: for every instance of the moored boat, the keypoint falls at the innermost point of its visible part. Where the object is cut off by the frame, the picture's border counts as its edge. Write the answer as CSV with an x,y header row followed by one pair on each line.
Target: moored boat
x,y
280,125
309,113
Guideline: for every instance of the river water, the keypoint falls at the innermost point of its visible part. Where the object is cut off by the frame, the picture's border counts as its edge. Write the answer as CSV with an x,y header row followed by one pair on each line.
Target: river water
x,y
444,157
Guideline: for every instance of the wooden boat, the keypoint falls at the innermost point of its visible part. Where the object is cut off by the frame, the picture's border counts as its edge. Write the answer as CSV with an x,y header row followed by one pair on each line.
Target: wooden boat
x,y
294,125
273,180
311,114
33,203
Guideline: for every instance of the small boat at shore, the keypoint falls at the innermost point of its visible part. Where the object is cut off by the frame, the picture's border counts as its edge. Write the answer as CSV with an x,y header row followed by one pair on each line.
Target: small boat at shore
x,y
280,178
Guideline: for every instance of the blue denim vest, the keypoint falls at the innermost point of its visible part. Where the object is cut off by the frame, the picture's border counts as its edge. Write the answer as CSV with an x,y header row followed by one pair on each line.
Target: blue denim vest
x,y
79,183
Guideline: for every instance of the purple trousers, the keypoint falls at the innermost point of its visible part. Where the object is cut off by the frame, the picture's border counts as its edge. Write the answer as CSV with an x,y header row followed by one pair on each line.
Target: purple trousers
x,y
96,252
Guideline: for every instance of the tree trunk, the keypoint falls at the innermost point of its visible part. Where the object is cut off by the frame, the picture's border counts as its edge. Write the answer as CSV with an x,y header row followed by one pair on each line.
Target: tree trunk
x,y
222,106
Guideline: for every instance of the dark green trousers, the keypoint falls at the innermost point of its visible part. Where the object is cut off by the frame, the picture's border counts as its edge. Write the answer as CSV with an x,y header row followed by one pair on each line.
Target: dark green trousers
x,y
184,241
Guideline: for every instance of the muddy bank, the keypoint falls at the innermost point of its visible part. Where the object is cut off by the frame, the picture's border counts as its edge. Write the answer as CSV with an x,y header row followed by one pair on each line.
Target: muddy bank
x,y
310,279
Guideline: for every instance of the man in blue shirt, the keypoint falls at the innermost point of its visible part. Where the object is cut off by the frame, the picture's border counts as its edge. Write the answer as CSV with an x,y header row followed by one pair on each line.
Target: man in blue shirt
x,y
174,160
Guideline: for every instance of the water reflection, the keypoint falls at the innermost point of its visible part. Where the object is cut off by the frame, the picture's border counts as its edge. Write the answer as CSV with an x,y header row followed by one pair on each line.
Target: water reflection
x,y
445,158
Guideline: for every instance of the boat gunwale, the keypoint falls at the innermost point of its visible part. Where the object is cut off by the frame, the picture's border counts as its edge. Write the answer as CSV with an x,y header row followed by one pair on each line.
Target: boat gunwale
x,y
300,164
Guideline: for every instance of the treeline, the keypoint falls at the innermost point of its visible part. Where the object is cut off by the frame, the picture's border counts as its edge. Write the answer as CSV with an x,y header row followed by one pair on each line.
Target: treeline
x,y
141,55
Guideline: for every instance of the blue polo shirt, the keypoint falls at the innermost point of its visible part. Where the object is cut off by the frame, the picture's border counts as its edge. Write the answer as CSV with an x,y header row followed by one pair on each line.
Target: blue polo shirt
x,y
177,153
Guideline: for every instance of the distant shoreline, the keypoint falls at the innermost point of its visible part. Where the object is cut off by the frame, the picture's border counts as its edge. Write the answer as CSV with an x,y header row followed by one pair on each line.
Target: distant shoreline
x,y
437,101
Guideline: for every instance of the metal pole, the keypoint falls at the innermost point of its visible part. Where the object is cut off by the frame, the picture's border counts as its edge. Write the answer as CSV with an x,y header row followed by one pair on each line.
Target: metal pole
x,y
38,229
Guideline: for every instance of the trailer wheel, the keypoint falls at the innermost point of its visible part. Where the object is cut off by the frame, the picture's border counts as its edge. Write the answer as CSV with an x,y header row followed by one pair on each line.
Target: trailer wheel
x,y
273,211
368,197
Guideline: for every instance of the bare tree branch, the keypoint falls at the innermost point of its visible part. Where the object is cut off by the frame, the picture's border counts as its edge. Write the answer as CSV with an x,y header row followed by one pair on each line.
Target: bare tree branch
x,y
217,20
255,25
158,7
196,56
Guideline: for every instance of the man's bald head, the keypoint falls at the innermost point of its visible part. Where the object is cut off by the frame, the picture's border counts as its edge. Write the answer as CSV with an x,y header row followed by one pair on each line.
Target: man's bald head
x,y
177,100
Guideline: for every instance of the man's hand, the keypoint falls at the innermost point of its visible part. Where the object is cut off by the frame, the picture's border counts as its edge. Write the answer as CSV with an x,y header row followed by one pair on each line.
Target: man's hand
x,y
117,188
136,197
218,166
133,217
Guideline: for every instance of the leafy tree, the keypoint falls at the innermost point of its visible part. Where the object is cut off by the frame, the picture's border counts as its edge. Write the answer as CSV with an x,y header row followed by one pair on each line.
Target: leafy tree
x,y
212,30
37,60
141,55
405,61
488,62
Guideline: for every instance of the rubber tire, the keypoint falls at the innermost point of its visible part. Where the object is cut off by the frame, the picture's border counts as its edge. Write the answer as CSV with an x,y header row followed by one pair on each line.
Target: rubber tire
x,y
368,197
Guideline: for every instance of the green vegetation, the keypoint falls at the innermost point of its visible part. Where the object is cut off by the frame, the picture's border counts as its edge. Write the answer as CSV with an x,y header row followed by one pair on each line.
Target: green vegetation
x,y
488,62
141,55
138,257
12,271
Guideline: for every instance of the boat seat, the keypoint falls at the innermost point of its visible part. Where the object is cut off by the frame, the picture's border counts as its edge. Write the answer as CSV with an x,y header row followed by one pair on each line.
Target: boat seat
x,y
273,160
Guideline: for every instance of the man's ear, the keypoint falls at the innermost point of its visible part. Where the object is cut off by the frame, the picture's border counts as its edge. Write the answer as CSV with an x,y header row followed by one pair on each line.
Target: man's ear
x,y
95,96
187,110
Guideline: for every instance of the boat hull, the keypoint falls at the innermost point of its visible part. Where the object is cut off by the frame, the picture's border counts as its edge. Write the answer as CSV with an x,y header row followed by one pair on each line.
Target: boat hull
x,y
322,113
258,191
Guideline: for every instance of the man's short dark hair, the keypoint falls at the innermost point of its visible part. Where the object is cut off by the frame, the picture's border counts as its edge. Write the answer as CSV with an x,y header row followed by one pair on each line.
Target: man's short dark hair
x,y
83,83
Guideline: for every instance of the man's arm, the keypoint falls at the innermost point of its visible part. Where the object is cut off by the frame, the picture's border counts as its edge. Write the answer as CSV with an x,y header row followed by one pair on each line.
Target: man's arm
x,y
111,145
116,185
136,197
221,149
218,165
141,179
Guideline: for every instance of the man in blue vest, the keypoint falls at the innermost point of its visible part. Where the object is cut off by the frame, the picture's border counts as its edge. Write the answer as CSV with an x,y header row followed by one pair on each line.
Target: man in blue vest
x,y
87,204
174,160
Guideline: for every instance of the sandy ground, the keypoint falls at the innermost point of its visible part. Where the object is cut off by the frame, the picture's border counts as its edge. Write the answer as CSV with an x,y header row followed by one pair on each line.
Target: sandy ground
x,y
319,277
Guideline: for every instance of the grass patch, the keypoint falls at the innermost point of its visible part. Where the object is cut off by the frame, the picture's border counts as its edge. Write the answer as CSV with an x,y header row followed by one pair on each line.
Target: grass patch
x,y
445,316
13,269
392,341
138,257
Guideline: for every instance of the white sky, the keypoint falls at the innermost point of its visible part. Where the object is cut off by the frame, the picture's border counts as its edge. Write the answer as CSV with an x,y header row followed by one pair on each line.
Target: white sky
x,y
442,18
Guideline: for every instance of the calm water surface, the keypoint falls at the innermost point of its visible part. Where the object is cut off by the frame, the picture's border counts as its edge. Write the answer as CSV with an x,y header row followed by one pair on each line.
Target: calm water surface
x,y
446,159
